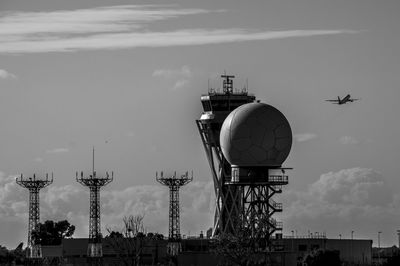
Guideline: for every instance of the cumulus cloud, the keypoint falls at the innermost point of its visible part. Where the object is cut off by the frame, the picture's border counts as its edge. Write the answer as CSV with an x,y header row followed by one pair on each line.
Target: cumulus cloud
x,y
356,186
338,202
119,27
196,201
71,202
304,137
57,150
4,74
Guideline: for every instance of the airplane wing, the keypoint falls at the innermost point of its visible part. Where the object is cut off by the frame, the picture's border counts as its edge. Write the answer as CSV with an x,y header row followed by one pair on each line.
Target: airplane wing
x,y
334,101
352,100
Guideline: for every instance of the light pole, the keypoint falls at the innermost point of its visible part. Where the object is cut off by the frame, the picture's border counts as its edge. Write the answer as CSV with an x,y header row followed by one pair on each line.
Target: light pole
x,y
379,239
351,249
379,247
292,240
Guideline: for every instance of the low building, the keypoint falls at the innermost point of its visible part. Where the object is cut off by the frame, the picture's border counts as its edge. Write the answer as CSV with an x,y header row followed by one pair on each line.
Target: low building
x,y
198,251
383,254
115,251
288,252
351,251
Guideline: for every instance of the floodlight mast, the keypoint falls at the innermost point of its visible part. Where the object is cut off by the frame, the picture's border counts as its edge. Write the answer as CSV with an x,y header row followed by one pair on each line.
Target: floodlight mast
x,y
174,184
34,185
94,183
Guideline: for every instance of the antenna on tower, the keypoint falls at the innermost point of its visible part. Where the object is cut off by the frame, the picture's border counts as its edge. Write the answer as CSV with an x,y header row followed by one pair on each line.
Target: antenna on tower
x,y
34,185
94,183
174,184
227,83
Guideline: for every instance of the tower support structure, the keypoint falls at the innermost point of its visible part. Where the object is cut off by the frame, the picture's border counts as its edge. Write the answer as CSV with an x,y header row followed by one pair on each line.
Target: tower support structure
x,y
94,183
216,107
258,186
174,183
34,185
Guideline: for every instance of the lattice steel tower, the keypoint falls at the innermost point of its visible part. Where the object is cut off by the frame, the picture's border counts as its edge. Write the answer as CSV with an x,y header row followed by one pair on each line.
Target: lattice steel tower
x,y
174,184
34,185
94,183
257,206
217,106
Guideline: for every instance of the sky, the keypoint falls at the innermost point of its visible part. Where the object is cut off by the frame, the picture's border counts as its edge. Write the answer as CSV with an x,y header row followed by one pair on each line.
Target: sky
x,y
127,76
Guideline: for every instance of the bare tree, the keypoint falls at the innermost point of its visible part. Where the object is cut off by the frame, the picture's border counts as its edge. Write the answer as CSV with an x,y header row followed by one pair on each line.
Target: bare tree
x,y
133,226
245,247
128,242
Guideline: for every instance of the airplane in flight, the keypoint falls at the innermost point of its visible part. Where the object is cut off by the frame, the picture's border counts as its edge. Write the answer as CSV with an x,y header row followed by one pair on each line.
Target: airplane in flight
x,y
346,99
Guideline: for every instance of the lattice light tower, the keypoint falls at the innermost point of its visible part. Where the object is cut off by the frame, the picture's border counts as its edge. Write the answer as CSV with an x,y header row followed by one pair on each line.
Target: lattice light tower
x,y
174,183
217,106
34,185
95,183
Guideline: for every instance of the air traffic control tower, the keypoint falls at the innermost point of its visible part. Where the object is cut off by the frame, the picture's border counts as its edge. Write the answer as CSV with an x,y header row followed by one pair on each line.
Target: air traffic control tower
x,y
217,106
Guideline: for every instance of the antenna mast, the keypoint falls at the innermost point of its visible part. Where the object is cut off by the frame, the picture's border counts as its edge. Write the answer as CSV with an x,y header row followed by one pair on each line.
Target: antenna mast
x,y
93,161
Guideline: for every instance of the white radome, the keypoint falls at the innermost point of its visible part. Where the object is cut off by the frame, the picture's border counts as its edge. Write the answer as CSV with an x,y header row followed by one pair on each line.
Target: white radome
x,y
256,134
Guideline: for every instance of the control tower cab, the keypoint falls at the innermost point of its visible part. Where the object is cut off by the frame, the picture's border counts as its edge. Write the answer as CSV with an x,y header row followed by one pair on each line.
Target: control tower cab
x,y
217,105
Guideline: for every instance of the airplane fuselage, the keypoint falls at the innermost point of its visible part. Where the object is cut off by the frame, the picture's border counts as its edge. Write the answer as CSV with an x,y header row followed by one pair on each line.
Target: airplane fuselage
x,y
345,99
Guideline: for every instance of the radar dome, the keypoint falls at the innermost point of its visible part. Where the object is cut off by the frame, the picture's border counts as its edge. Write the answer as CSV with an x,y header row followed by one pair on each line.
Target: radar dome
x,y
256,134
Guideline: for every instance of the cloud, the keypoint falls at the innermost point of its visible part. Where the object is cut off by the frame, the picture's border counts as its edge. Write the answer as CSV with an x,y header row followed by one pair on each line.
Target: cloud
x,y
38,159
338,202
119,27
304,137
173,73
4,74
83,21
180,84
356,186
57,150
182,76
348,140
